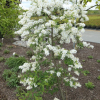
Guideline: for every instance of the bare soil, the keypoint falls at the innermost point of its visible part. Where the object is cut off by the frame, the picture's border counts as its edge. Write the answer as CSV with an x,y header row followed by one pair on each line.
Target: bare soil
x,y
7,93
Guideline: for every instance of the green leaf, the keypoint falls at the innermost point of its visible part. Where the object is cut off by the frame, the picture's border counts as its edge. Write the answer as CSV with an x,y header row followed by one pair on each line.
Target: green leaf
x,y
38,98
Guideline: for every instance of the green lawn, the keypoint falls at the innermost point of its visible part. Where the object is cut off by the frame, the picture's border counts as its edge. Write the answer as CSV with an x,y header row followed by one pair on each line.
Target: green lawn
x,y
94,21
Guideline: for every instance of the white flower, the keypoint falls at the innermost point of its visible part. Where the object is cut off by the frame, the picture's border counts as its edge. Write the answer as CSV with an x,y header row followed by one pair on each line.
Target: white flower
x,y
35,85
14,53
46,51
56,98
33,58
69,69
82,30
78,84
29,87
85,44
33,68
62,17
59,62
73,51
91,46
58,74
2,40
76,72
43,31
74,30
51,72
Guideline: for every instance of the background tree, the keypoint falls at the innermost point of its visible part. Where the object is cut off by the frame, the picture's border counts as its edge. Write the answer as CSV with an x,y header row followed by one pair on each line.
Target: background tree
x,y
9,11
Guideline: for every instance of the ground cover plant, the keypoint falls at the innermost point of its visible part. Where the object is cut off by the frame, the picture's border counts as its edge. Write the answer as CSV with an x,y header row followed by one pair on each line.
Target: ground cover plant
x,y
11,75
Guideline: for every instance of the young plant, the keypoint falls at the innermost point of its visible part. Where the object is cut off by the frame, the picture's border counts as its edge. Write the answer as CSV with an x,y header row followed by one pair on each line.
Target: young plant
x,y
1,44
6,51
85,72
83,60
90,57
10,46
29,53
15,54
0,48
98,77
98,61
89,85
2,59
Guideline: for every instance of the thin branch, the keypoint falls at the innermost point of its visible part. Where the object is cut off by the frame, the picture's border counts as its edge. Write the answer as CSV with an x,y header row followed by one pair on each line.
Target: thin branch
x,y
92,7
49,17
80,2
85,3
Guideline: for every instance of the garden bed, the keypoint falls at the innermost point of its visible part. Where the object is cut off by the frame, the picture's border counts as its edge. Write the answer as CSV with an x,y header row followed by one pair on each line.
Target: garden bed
x,y
89,59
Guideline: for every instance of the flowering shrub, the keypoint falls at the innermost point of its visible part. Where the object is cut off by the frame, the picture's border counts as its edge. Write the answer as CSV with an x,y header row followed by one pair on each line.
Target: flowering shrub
x,y
52,65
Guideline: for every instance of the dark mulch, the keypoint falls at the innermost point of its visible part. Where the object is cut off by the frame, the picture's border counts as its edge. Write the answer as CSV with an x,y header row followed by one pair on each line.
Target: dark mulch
x,y
7,93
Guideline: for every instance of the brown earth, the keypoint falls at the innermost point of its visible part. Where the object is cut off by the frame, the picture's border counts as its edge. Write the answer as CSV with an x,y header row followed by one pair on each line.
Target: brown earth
x,y
7,93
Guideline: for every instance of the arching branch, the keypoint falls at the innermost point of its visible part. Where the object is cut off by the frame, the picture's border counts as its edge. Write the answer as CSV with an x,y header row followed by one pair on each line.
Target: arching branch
x,y
92,7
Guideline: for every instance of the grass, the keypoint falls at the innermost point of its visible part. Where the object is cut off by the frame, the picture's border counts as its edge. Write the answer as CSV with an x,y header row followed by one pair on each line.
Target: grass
x,y
94,21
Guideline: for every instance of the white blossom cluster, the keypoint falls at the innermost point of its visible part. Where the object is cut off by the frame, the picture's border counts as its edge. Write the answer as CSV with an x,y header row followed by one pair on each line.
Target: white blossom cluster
x,y
48,27
29,66
85,44
29,82
56,98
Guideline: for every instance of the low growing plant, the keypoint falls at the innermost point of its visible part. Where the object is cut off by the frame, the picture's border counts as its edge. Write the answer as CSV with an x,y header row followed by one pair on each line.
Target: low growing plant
x,y
98,77
98,61
6,51
11,78
10,46
29,53
15,54
90,57
89,85
13,81
15,62
83,60
85,72
1,44
7,73
2,59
